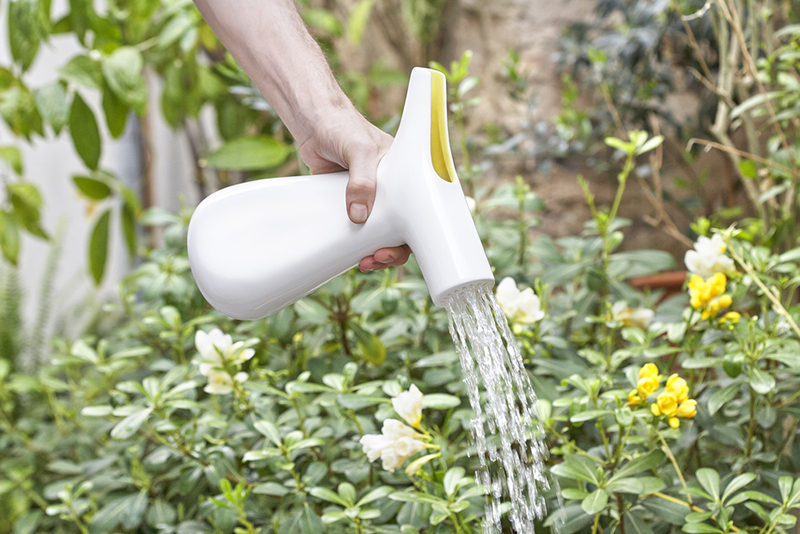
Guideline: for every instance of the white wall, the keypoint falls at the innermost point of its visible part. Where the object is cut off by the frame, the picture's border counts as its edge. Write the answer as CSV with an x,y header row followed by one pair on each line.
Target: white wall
x,y
51,162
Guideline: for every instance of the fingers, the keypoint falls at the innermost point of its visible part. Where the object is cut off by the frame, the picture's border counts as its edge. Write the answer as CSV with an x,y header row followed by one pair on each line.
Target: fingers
x,y
385,257
361,187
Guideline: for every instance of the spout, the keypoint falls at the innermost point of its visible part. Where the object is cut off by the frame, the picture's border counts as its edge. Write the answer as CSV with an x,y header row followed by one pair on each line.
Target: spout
x,y
419,179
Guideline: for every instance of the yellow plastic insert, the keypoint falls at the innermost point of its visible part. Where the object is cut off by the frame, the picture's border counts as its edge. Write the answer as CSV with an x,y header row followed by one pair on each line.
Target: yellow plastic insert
x,y
440,148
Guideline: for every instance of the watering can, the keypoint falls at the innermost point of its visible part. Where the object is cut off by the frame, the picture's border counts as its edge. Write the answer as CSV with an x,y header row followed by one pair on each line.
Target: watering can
x,y
258,246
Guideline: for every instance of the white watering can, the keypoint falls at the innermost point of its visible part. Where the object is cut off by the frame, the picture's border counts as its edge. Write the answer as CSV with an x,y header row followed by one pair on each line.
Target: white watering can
x,y
259,246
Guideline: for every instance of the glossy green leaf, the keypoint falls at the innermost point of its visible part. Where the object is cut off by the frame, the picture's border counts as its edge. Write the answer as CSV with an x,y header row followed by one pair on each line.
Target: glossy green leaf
x,y
13,157
84,132
122,71
53,103
92,188
595,502
761,381
98,247
249,154
82,71
130,424
26,30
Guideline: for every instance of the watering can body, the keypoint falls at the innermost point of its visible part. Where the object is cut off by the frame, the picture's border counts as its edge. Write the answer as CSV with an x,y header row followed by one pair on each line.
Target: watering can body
x,y
259,246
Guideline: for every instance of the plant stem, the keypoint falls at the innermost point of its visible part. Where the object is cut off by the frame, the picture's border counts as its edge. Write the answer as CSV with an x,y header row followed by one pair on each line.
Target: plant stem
x,y
674,462
776,303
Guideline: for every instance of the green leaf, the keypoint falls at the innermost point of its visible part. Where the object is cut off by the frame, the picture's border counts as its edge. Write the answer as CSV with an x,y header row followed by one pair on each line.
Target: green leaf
x,y
355,401
595,502
92,188
116,112
26,29
709,480
642,463
748,169
53,104
357,21
328,495
440,401
588,415
270,488
9,237
133,514
722,396
269,430
122,71
13,157
619,144
249,154
303,521
98,247
82,71
84,132
128,426
26,202
761,381
650,144
160,513
453,476
578,468
348,492
375,494
128,223
737,483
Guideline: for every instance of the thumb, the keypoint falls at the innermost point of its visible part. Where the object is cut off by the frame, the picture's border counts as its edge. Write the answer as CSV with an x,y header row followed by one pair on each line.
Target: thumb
x,y
360,193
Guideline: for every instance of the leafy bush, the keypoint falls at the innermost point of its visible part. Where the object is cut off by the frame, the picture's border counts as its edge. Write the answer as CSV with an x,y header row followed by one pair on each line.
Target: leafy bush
x,y
140,426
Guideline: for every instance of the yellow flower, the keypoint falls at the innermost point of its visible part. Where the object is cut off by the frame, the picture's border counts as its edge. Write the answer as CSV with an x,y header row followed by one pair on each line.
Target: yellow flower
x,y
649,379
655,410
673,422
707,295
667,404
649,370
633,398
687,409
677,387
647,386
730,318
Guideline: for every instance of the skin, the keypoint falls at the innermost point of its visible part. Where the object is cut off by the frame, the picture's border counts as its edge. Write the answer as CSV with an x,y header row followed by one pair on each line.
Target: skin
x,y
273,46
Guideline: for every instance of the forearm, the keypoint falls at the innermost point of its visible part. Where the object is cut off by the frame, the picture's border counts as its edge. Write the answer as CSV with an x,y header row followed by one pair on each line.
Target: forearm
x,y
271,43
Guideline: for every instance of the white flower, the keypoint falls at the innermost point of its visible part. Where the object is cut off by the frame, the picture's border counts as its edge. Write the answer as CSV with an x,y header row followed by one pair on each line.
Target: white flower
x,y
708,257
373,445
519,306
216,348
219,383
408,405
641,317
393,445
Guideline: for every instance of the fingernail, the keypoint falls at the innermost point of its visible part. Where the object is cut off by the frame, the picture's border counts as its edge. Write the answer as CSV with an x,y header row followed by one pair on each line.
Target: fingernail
x,y
358,213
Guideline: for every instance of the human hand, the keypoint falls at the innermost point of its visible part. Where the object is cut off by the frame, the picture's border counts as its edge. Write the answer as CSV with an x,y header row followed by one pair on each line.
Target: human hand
x,y
347,141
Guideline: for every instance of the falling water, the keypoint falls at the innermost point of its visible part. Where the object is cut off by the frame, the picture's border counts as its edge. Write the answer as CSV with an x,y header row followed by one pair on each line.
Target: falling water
x,y
506,431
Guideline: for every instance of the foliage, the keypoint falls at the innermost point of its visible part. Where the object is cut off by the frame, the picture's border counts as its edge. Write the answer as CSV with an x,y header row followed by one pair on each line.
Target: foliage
x,y
124,429
662,414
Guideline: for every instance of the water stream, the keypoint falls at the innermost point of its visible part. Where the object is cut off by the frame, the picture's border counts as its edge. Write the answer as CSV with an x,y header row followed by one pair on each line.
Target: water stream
x,y
506,432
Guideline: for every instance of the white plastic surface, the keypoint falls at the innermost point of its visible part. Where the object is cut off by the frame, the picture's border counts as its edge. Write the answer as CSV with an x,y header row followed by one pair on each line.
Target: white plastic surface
x,y
258,246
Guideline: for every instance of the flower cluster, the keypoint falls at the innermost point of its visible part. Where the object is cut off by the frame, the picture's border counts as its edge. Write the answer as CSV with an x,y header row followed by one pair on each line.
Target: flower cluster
x,y
708,296
633,317
673,402
397,442
220,359
519,306
708,257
